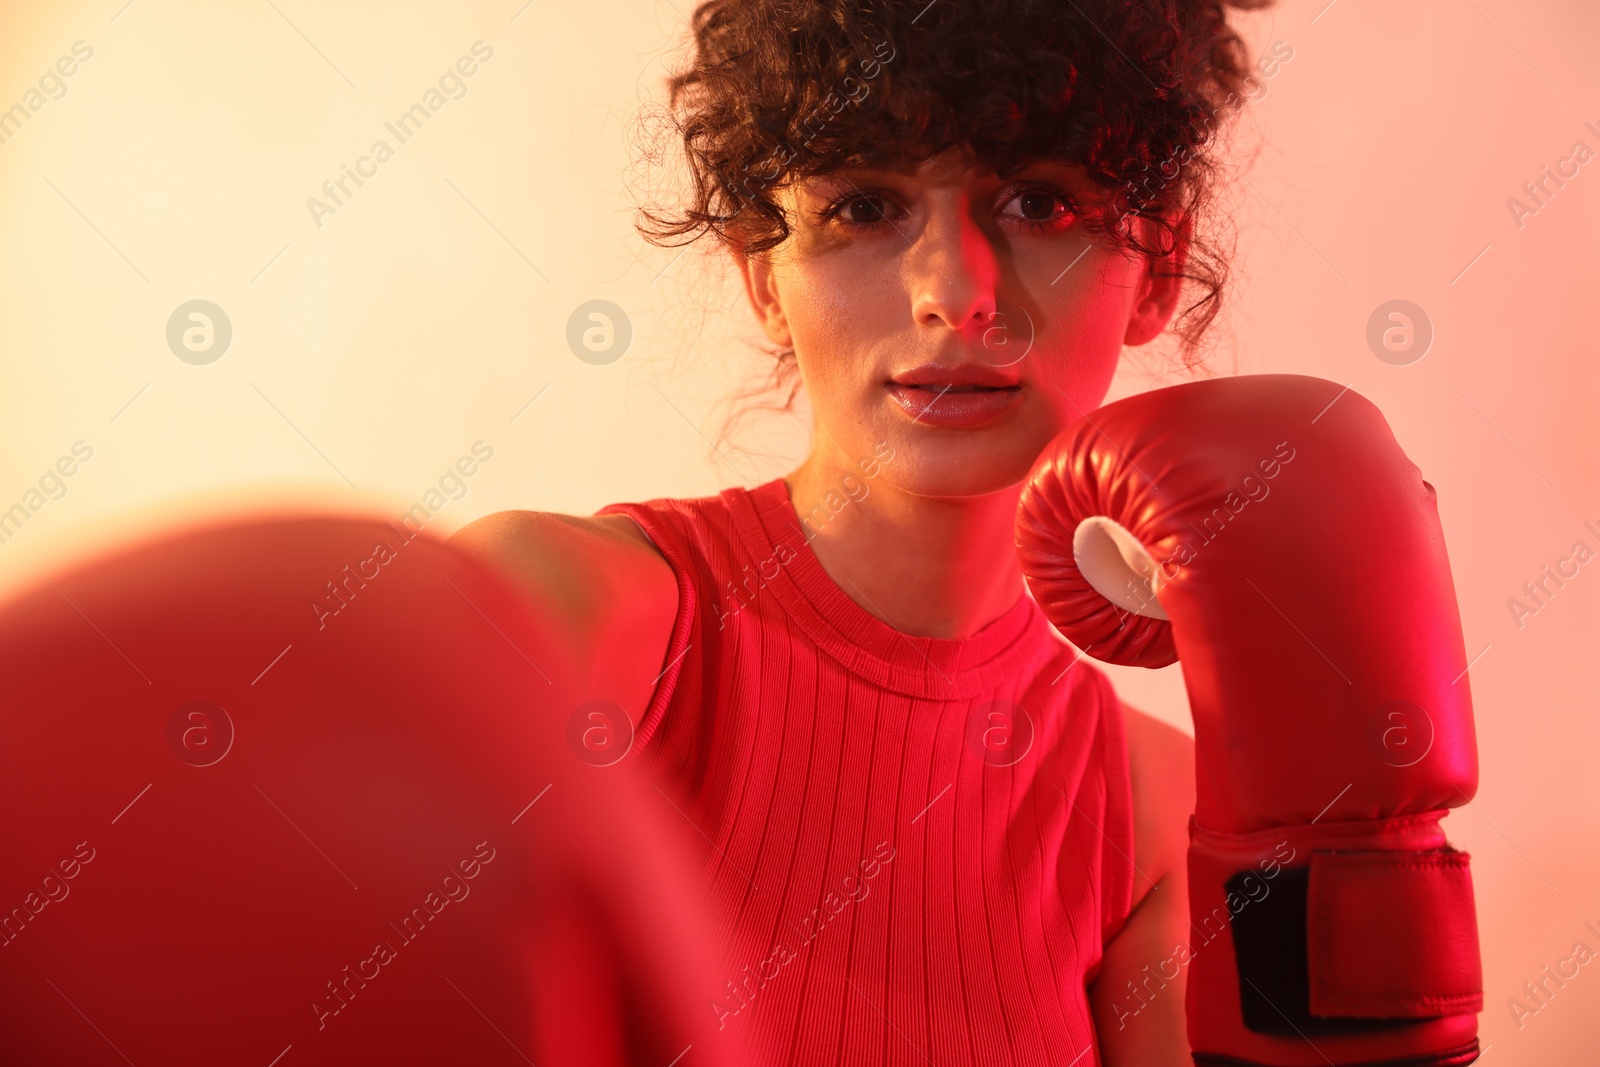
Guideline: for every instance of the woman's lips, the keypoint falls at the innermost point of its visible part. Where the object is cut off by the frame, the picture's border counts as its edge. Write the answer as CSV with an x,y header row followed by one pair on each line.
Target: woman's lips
x,y
954,405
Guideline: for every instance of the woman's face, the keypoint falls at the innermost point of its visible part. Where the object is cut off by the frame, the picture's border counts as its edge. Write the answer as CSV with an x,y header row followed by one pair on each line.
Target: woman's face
x,y
961,319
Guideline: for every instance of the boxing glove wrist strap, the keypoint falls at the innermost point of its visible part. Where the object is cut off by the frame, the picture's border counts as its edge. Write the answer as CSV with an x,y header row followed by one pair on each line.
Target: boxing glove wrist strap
x,y
1343,931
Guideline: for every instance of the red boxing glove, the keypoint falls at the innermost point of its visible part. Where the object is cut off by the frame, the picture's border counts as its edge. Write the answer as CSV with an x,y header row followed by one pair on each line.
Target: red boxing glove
x,y
1269,531
299,792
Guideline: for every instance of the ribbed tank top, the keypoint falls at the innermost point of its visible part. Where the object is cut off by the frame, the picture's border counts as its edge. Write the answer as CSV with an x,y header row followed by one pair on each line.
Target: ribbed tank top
x,y
914,848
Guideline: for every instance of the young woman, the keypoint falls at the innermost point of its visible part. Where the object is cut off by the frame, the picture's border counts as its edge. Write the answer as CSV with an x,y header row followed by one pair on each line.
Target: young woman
x,y
931,831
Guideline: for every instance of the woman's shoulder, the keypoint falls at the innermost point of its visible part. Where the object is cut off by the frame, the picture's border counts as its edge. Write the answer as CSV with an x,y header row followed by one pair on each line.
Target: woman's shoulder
x,y
601,582
568,556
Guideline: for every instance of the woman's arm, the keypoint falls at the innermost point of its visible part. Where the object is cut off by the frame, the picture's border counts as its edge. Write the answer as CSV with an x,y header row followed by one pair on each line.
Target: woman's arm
x,y
600,582
1142,1024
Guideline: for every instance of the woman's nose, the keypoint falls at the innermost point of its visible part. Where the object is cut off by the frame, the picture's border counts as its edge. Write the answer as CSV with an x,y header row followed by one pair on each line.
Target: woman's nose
x,y
953,269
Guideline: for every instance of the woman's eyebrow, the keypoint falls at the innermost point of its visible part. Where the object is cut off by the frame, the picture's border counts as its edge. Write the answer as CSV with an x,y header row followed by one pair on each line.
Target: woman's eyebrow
x,y
858,175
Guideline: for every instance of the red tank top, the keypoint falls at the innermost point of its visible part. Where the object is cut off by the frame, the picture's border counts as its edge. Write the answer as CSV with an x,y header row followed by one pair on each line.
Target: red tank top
x,y
915,848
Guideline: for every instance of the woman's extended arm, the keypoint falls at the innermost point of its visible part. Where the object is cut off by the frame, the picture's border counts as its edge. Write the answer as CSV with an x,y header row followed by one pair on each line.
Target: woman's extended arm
x,y
604,584
1137,998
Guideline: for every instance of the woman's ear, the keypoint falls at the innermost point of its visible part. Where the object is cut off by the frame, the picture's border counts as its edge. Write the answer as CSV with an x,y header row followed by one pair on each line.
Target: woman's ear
x,y
1160,285
760,285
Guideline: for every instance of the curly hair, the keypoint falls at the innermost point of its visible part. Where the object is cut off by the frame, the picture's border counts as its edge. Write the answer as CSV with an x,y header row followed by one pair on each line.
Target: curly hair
x,y
1134,91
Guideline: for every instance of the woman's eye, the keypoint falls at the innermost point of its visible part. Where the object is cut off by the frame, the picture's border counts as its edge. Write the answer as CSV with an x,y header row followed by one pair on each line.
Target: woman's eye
x,y
862,210
1040,209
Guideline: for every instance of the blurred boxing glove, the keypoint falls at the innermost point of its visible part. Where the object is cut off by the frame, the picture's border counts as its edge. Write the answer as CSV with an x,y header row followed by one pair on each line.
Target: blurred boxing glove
x,y
300,791
1268,531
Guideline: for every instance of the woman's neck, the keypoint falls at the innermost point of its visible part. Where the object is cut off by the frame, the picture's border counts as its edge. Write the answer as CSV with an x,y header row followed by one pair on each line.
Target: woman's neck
x,y
927,566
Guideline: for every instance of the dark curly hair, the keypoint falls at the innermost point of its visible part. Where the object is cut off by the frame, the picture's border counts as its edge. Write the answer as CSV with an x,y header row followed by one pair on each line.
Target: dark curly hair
x,y
1134,91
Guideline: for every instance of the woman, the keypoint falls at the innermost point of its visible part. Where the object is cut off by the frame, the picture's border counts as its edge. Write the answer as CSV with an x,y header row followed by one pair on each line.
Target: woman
x,y
931,833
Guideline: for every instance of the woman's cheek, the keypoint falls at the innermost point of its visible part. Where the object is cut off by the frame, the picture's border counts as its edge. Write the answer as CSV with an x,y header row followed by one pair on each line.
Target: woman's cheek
x,y
836,337
1077,351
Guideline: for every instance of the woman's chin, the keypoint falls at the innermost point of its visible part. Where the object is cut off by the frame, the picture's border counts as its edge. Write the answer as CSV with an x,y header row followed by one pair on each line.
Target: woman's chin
x,y
952,463
937,473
